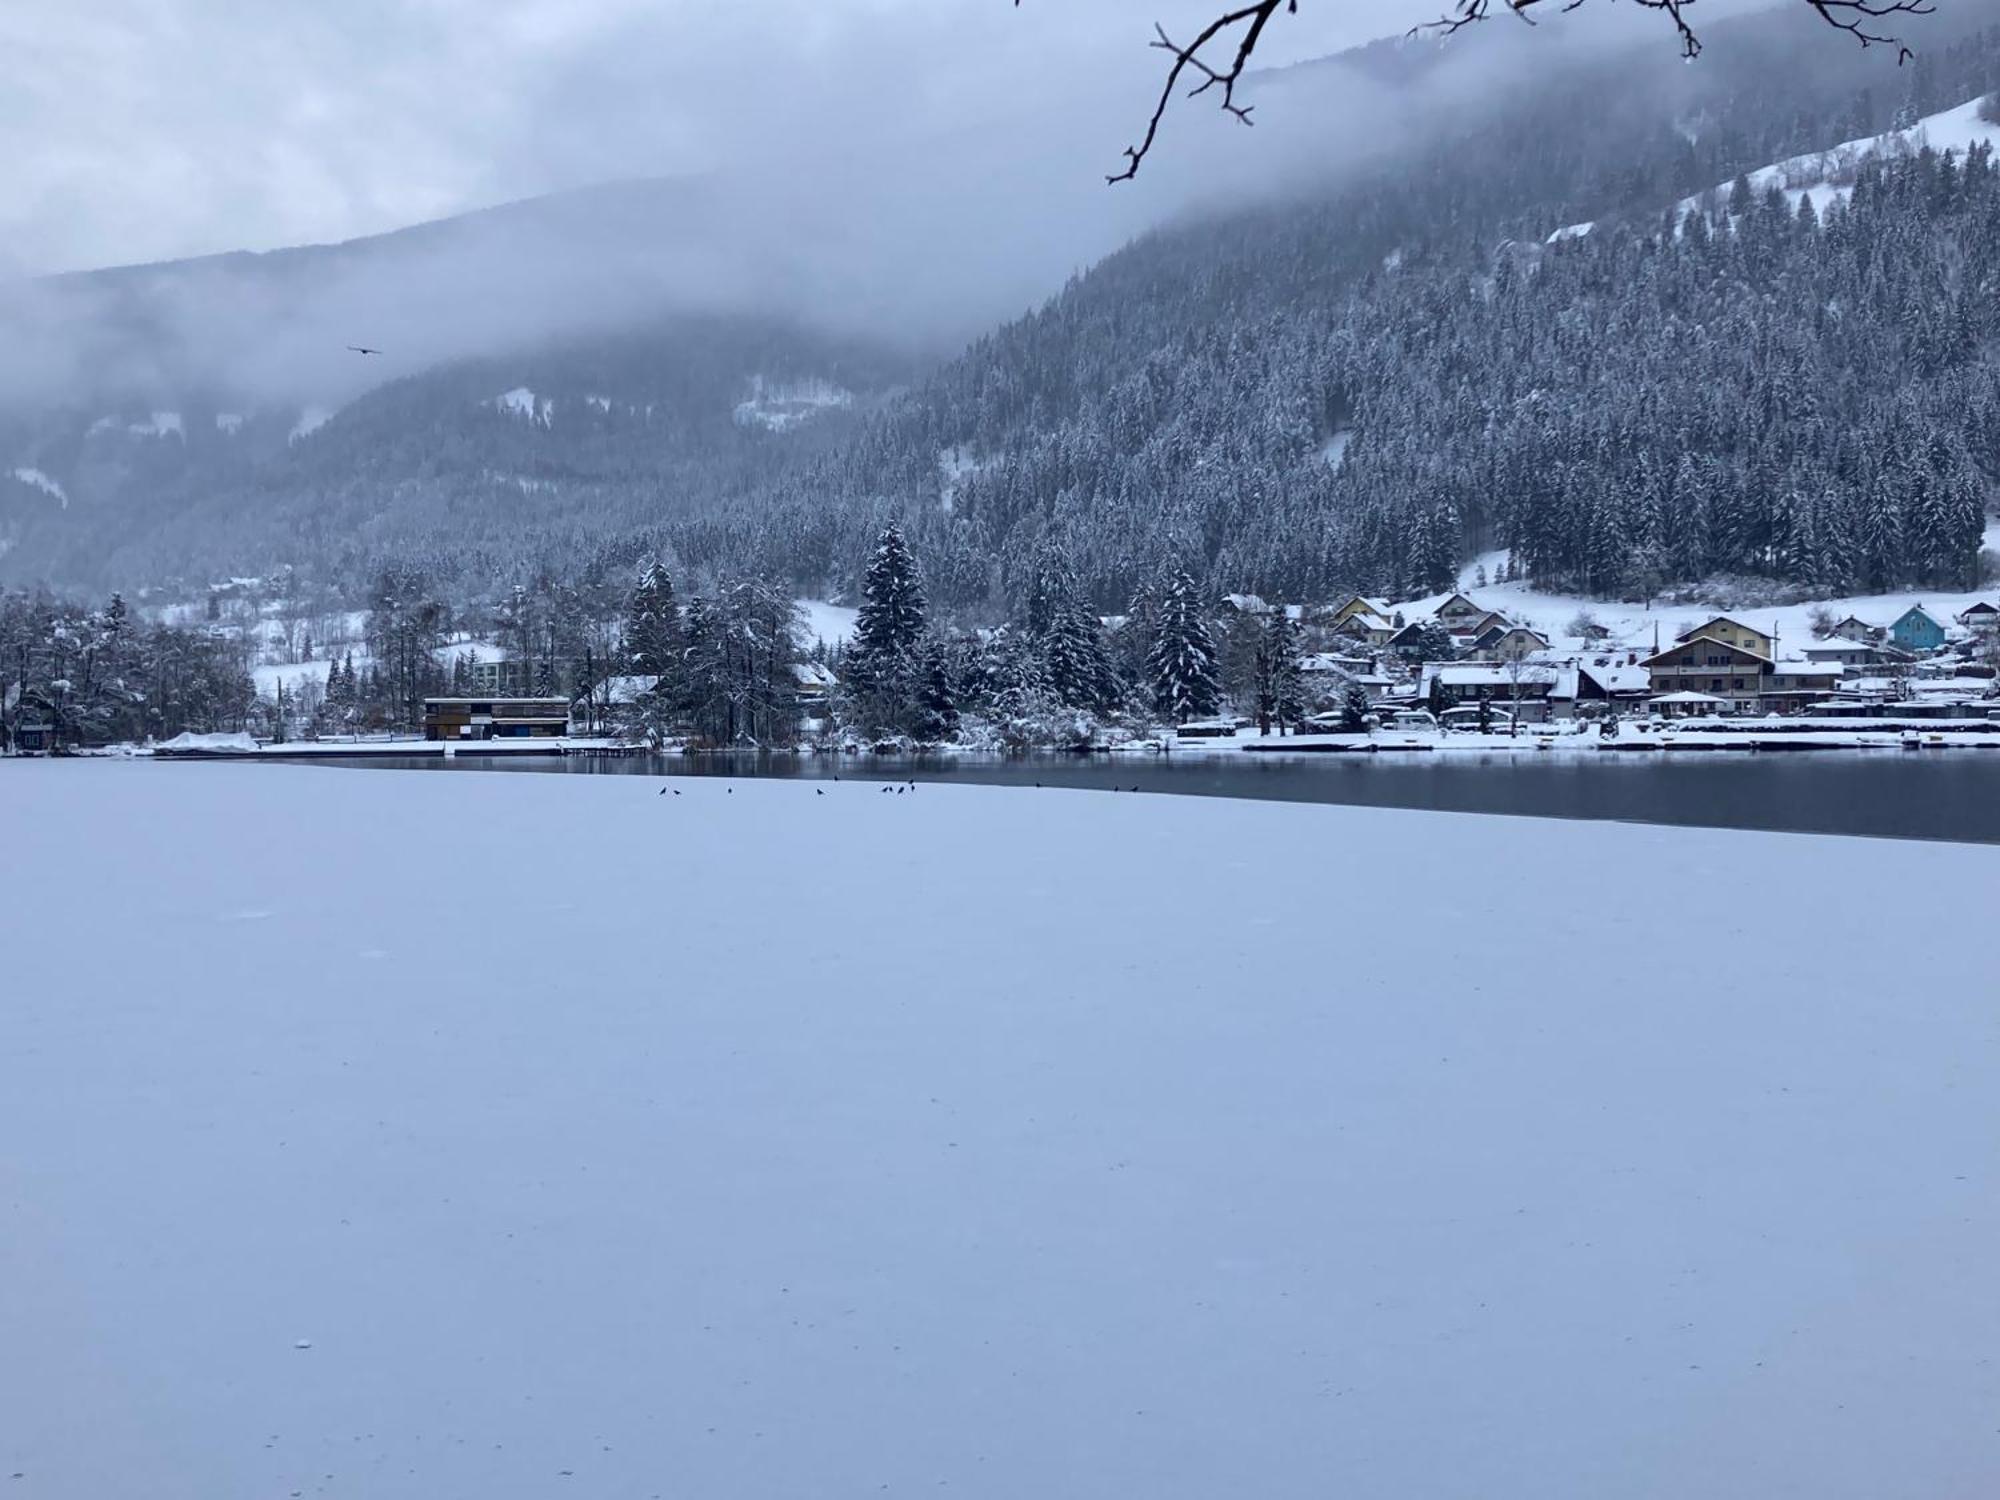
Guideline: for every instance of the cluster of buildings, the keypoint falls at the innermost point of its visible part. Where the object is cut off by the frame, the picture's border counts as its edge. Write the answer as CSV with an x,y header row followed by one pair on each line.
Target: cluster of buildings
x,y
1453,653
1725,665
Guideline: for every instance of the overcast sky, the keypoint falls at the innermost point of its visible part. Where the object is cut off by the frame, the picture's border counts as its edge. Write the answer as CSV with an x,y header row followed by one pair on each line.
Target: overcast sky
x,y
142,129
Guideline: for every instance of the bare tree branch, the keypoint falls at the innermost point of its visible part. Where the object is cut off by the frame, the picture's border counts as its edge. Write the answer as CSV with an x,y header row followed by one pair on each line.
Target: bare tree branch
x,y
1243,28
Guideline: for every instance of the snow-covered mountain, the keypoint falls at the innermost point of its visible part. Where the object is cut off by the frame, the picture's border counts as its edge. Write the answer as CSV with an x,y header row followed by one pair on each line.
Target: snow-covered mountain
x,y
1828,176
1356,378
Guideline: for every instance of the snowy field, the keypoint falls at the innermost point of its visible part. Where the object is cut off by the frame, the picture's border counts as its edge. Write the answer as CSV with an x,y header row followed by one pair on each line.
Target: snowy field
x,y
395,1134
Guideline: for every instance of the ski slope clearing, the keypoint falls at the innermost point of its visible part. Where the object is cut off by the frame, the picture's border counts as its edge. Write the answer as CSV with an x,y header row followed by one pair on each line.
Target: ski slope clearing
x,y
412,1135
830,623
1827,177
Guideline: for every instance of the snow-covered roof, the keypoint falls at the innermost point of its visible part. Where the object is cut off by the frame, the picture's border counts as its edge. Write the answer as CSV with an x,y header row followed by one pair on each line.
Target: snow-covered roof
x,y
1837,643
1324,661
1486,674
1686,698
1976,687
1619,678
813,674
1807,668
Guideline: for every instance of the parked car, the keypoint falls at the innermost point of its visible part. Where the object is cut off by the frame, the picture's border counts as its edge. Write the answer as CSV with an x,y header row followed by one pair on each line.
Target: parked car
x,y
1413,718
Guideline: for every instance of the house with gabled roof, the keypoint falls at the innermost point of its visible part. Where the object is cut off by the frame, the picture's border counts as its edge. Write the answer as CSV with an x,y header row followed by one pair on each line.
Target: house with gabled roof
x,y
1794,685
1712,667
1357,605
1846,651
1733,632
1856,628
1916,629
1508,643
1980,618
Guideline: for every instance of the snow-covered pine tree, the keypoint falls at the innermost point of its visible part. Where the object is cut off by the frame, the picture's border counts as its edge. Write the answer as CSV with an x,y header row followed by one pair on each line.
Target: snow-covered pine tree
x,y
1069,636
881,663
937,693
653,625
1353,708
891,618
1182,660
1280,687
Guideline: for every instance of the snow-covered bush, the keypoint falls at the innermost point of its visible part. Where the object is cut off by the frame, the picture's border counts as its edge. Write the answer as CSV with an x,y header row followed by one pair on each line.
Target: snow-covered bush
x,y
1989,109
1585,626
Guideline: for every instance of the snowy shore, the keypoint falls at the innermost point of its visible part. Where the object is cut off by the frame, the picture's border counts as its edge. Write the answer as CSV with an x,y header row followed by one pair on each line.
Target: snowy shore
x,y
408,1136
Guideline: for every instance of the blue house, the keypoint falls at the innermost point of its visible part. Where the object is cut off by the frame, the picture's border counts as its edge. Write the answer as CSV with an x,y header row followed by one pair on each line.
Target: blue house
x,y
1917,631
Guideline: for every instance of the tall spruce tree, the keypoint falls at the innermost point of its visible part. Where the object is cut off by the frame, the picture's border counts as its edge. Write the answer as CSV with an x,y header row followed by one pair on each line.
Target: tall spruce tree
x,y
1280,687
1069,636
1182,660
881,664
937,693
653,625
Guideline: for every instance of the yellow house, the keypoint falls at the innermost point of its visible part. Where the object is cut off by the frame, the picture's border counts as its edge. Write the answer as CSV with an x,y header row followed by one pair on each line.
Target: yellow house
x,y
1357,605
1735,633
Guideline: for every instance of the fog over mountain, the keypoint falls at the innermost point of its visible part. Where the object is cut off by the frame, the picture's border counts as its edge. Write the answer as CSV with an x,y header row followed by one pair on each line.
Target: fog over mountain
x,y
685,362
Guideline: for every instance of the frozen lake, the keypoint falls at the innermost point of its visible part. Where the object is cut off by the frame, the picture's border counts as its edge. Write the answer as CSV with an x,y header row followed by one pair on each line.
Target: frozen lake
x,y
408,1137
1927,794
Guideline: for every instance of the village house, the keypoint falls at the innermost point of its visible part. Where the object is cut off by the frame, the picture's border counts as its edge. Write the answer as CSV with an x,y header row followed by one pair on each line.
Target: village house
x,y
1793,686
1524,691
1981,618
1356,606
1508,643
1461,616
1622,686
1366,628
1856,628
813,682
1712,667
1733,632
1846,651
1410,638
1916,630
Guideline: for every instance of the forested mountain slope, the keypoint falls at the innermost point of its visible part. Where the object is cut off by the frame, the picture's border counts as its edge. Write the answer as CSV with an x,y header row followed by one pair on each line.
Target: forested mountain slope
x,y
1354,380
564,444
1356,392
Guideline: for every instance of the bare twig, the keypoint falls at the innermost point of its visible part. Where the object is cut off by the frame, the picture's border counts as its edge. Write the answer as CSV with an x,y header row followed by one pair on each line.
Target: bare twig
x,y
1243,27
1850,16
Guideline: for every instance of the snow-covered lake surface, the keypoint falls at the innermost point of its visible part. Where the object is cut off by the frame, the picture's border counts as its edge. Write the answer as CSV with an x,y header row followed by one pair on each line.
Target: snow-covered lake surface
x,y
403,1135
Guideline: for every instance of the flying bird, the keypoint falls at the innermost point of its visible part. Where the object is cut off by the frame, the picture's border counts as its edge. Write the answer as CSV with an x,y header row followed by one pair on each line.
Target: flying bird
x,y
361,349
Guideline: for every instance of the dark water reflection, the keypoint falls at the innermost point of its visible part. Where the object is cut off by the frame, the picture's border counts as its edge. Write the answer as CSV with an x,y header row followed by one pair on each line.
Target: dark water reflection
x,y
1931,794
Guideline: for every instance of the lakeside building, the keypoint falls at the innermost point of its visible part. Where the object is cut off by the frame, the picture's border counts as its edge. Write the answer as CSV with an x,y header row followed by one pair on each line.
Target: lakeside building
x,y
495,718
